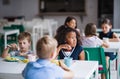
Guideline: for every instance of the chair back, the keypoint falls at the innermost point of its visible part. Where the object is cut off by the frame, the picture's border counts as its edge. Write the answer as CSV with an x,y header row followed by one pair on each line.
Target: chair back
x,y
36,34
97,54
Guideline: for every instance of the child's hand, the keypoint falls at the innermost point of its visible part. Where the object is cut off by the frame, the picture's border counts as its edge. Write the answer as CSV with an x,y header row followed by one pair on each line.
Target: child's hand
x,y
66,46
13,46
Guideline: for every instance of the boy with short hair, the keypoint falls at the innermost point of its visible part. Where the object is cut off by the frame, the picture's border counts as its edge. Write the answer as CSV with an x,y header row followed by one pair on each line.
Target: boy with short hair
x,y
43,68
23,48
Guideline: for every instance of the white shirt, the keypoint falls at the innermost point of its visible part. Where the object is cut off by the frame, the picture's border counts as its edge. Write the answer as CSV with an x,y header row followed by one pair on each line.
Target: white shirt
x,y
92,41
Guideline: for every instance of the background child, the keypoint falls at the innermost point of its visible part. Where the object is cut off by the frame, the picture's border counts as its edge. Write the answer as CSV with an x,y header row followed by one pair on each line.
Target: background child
x,y
69,40
92,40
24,42
106,31
43,68
69,22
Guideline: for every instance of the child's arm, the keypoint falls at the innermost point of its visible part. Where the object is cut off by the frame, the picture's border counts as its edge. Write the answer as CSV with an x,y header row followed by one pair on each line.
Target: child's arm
x,y
115,38
63,66
6,50
82,55
68,73
63,46
104,44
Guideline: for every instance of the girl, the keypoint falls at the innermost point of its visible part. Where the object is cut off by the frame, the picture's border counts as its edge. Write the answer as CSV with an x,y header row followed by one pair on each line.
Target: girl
x,y
106,31
91,40
69,40
69,22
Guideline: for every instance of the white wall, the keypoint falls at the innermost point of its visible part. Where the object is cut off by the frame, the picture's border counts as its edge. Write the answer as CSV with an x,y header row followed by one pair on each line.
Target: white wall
x,y
29,8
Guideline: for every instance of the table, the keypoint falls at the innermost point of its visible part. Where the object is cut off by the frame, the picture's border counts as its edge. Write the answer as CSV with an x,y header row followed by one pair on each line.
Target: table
x,y
6,33
11,70
81,69
115,47
84,69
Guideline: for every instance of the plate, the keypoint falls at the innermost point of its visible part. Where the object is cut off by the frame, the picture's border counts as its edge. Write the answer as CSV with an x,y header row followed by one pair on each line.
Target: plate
x,y
14,59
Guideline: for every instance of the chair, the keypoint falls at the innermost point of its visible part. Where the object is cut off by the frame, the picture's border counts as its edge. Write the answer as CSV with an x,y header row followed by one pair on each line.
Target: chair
x,y
97,53
13,38
36,34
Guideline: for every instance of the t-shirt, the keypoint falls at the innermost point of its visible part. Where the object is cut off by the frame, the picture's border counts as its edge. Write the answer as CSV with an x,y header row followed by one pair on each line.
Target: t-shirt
x,y
75,53
42,69
92,41
108,35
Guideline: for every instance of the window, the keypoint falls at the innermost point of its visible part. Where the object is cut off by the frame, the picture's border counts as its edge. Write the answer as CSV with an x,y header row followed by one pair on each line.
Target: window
x,y
62,6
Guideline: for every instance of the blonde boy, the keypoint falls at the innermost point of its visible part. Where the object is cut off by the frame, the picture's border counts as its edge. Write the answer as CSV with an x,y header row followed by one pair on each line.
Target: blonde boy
x,y
43,68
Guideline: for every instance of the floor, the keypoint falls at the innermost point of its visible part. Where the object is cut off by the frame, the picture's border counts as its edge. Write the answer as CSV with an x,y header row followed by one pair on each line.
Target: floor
x,y
113,71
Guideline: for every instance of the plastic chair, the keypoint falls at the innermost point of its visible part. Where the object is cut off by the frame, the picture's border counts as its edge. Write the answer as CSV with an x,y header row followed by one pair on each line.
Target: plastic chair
x,y
97,53
46,27
36,34
13,38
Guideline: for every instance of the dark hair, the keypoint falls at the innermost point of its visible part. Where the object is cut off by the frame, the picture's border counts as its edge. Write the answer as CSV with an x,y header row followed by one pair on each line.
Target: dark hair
x,y
90,29
106,21
68,19
61,36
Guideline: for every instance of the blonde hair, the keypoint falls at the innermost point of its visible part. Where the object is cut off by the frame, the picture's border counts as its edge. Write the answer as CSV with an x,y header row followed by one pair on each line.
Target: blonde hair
x,y
45,46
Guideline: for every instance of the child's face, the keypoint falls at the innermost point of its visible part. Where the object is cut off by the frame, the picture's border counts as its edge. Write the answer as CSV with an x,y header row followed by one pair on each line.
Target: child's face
x,y
106,28
24,45
72,24
71,39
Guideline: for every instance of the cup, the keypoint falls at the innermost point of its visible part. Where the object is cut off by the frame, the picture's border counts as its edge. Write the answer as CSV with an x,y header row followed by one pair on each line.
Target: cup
x,y
106,40
68,61
31,57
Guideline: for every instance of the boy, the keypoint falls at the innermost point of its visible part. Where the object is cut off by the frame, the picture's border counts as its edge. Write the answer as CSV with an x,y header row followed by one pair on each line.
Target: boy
x,y
43,68
24,42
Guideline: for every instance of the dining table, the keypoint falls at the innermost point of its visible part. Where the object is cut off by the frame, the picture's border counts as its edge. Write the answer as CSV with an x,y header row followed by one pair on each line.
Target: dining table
x,y
81,69
85,69
114,47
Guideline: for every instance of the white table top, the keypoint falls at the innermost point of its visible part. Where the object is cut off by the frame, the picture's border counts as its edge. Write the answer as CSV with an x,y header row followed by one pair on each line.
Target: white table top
x,y
113,47
84,69
13,70
11,67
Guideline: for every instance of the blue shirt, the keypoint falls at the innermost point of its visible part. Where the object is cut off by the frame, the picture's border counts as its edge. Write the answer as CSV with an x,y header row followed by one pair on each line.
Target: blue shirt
x,y
42,69
75,54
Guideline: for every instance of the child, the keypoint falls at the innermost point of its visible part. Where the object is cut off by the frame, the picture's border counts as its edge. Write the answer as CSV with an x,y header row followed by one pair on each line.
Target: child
x,y
92,40
24,42
69,22
43,68
106,31
69,40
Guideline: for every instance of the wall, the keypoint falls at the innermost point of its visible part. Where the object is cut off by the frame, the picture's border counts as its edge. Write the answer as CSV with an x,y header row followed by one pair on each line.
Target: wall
x,y
29,8
116,14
